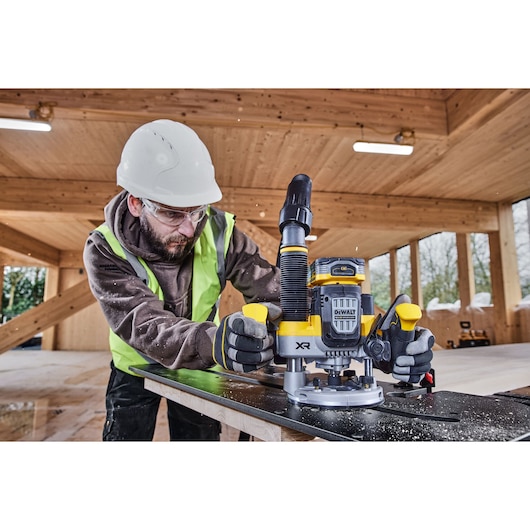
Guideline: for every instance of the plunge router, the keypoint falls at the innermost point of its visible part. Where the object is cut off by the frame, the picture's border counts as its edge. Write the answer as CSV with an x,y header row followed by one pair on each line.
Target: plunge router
x,y
328,320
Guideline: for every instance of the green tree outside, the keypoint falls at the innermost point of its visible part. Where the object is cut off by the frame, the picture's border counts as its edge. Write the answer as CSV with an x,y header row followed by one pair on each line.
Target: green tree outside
x,y
23,289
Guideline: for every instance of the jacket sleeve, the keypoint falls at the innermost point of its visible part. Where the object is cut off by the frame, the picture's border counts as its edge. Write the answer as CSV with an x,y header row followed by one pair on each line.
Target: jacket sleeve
x,y
139,318
250,273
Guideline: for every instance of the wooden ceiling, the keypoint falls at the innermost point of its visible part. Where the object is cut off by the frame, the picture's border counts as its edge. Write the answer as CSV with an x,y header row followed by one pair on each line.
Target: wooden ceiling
x,y
472,151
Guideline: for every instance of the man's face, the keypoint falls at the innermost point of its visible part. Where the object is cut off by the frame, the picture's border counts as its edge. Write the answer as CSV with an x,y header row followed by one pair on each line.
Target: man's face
x,y
171,232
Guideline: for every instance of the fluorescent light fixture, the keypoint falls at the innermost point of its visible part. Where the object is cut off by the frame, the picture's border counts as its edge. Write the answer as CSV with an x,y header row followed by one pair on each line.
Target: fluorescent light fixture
x,y
40,119
24,125
382,148
311,237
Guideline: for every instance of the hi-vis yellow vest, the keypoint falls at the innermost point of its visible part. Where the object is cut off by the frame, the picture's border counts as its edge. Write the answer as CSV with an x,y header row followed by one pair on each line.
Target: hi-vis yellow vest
x,y
208,279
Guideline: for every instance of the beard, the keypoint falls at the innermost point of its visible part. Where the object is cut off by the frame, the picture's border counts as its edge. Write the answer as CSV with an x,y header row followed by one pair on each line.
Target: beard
x,y
172,248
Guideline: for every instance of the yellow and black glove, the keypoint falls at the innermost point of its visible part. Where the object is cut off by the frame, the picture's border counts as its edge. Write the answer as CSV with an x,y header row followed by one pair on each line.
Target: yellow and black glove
x,y
410,345
244,344
412,365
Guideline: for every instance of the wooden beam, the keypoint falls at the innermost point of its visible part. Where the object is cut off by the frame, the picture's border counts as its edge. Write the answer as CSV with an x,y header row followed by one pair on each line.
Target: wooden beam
x,y
343,210
57,196
470,109
257,427
14,241
261,206
421,110
46,314
70,259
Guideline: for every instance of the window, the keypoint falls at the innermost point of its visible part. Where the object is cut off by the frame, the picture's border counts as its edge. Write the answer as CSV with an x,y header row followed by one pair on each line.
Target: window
x,y
439,270
380,280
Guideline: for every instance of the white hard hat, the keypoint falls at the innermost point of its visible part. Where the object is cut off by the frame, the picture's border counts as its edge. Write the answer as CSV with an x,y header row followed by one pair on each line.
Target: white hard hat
x,y
166,161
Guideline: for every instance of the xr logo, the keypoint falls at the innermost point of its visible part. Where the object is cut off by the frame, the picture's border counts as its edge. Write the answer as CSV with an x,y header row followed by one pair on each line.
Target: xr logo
x,y
302,345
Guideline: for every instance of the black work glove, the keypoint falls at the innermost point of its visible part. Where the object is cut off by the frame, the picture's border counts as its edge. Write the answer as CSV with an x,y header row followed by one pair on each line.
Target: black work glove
x,y
243,344
412,366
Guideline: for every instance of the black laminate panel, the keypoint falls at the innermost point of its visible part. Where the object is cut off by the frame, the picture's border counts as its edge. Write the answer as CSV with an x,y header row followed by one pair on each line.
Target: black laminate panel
x,y
438,416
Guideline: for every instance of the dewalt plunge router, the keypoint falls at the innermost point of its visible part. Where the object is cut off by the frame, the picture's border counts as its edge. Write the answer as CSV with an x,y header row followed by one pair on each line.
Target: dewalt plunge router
x,y
328,320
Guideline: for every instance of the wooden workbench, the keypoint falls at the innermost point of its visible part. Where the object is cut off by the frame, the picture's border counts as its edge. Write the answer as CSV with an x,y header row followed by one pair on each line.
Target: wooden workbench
x,y
256,404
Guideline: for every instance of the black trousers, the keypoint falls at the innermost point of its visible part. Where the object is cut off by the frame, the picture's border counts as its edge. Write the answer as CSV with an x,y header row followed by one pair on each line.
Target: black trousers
x,y
132,411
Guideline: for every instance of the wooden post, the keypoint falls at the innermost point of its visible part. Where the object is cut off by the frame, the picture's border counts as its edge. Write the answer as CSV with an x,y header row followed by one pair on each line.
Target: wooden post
x,y
394,277
366,286
1,286
466,274
505,283
415,273
51,289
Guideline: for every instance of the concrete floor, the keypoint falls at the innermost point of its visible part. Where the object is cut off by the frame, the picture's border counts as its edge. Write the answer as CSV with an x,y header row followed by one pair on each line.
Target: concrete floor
x,y
60,395
483,370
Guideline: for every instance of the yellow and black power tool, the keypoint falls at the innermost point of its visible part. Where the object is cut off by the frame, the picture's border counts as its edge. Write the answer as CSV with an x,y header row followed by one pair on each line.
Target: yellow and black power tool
x,y
328,320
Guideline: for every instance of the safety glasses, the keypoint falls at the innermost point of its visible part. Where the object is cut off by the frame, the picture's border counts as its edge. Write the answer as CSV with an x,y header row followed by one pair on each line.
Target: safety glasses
x,y
171,217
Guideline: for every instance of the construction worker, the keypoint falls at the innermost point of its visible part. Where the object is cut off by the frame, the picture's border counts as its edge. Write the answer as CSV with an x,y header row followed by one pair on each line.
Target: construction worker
x,y
157,267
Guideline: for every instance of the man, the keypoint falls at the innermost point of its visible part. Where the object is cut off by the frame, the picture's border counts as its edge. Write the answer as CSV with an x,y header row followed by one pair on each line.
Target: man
x,y
157,267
